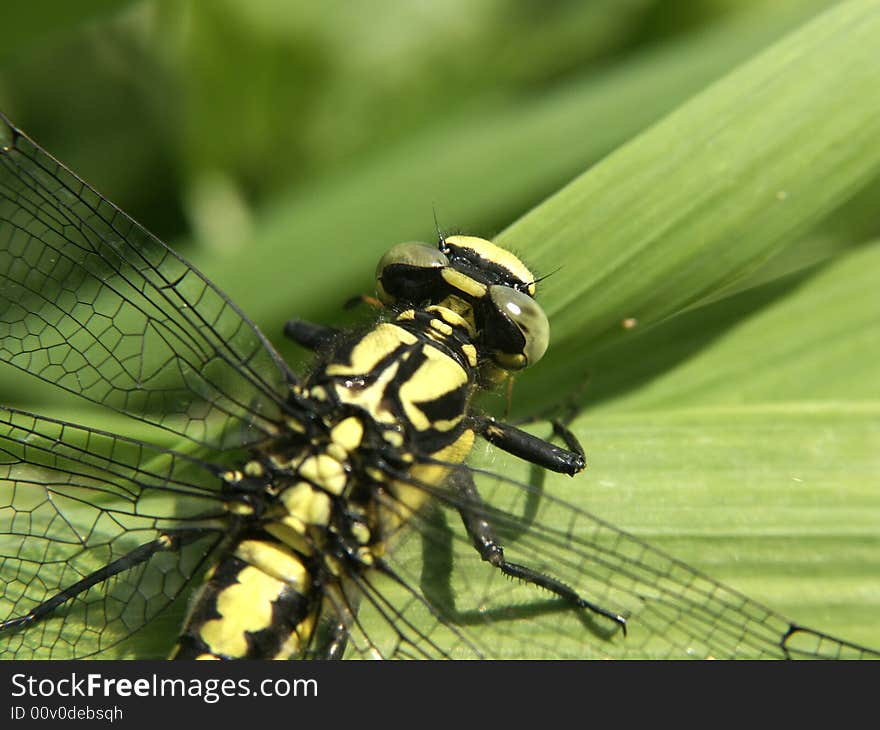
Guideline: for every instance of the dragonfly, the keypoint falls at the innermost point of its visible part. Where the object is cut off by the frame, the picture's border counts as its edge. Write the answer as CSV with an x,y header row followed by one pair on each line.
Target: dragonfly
x,y
331,514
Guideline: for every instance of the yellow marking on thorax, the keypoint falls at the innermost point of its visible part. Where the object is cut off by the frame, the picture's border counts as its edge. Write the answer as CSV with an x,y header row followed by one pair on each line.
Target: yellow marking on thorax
x,y
335,451
324,471
470,352
360,532
293,537
371,398
282,462
455,453
410,496
438,375
276,561
239,508
243,606
446,424
254,469
451,317
440,326
375,345
348,433
305,506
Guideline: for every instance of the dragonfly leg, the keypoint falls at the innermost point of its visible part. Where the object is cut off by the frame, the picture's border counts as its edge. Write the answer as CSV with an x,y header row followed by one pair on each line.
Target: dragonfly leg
x,y
308,335
534,449
479,529
170,541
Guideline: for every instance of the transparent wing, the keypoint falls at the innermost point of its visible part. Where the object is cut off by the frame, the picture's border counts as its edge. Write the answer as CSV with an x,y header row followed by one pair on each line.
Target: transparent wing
x,y
94,303
74,500
444,602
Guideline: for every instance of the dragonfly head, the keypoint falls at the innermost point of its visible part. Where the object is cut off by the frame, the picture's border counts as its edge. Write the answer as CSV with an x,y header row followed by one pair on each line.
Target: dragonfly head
x,y
483,282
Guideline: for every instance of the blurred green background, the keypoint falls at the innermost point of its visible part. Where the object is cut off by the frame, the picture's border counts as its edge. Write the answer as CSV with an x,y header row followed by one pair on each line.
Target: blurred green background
x,y
727,205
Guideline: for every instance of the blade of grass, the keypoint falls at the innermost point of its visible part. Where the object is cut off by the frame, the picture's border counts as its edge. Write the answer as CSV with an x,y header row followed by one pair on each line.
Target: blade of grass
x,y
814,339
716,188
744,439
778,501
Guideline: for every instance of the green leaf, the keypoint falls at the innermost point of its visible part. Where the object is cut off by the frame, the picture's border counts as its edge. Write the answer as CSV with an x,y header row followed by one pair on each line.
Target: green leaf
x,y
743,438
807,337
714,190
777,501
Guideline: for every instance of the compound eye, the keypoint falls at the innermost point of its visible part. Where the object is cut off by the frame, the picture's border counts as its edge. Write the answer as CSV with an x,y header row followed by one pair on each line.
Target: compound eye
x,y
525,338
407,269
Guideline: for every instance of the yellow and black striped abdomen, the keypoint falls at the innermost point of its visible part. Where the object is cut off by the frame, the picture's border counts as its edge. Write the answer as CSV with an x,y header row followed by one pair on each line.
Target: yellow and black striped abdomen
x,y
258,602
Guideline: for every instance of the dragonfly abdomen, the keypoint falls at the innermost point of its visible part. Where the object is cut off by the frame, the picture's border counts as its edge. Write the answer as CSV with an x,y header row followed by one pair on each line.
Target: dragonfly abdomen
x,y
258,602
